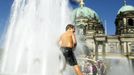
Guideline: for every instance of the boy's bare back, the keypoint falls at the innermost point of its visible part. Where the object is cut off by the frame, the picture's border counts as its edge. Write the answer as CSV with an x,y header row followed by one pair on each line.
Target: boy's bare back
x,y
68,39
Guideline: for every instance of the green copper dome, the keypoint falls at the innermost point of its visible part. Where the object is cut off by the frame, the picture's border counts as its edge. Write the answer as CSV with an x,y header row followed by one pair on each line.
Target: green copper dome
x,y
126,8
85,12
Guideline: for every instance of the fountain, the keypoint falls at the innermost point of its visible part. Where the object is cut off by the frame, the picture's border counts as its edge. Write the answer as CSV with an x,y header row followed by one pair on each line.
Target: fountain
x,y
119,66
32,35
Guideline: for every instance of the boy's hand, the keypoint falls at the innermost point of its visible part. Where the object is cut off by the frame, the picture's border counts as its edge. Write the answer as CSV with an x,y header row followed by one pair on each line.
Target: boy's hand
x,y
75,45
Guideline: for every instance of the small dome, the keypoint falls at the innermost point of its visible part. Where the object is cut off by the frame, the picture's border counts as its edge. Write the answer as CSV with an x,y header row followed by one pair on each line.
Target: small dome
x,y
126,8
85,12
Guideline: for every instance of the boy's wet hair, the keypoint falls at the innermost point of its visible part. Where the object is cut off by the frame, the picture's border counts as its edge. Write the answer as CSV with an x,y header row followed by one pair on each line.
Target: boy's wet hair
x,y
69,26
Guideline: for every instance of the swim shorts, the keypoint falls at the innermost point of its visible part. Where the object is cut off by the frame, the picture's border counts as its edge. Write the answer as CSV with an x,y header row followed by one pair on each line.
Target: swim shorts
x,y
69,56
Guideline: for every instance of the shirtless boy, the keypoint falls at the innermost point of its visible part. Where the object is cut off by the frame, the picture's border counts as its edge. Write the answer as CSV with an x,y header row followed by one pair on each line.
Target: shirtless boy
x,y
67,42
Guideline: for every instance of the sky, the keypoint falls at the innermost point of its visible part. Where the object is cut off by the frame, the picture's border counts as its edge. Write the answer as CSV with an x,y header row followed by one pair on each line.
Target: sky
x,y
106,9
5,6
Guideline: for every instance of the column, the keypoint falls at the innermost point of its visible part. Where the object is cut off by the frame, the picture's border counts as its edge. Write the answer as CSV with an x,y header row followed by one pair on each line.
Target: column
x,y
125,48
118,47
104,50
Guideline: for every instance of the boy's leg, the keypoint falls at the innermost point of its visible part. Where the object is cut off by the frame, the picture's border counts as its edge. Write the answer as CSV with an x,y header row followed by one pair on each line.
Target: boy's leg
x,y
77,70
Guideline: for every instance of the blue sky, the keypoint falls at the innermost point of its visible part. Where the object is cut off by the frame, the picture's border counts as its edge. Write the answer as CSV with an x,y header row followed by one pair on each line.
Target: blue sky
x,y
5,6
106,9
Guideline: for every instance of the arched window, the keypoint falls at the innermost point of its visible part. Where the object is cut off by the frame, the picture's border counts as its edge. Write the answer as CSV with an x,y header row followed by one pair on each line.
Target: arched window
x,y
130,22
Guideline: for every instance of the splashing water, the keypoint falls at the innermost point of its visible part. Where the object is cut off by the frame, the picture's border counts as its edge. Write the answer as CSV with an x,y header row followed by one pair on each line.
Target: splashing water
x,y
32,35
120,66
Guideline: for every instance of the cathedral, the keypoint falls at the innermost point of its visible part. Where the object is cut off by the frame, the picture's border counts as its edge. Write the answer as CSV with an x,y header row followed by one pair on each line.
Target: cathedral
x,y
90,26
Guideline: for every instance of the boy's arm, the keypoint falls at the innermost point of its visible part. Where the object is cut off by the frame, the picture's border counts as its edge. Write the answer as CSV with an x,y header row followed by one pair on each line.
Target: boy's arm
x,y
74,40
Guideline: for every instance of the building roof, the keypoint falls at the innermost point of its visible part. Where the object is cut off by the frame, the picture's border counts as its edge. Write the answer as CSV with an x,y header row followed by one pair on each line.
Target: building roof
x,y
85,12
126,8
